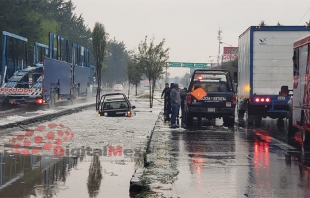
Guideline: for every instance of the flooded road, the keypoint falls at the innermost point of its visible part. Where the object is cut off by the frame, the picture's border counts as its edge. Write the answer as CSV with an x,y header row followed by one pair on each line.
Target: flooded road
x,y
49,176
215,161
119,141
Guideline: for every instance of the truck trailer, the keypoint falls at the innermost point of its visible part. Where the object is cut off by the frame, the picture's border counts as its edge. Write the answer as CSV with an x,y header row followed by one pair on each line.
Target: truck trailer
x,y
265,71
299,105
55,76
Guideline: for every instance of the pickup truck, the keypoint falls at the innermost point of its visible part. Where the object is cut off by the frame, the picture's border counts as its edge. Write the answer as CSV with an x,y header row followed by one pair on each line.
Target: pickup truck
x,y
211,94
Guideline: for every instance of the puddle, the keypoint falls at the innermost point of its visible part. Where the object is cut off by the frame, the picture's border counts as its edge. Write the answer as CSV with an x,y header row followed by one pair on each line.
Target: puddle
x,y
47,176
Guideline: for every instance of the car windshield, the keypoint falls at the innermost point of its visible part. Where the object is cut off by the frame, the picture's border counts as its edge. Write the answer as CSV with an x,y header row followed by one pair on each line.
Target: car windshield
x,y
215,76
211,86
115,105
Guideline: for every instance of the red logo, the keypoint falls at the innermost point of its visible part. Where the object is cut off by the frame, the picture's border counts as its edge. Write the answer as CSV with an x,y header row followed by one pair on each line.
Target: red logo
x,y
42,138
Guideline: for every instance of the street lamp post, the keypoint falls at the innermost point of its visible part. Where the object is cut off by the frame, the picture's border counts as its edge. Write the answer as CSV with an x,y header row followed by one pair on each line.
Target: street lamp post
x,y
212,59
166,76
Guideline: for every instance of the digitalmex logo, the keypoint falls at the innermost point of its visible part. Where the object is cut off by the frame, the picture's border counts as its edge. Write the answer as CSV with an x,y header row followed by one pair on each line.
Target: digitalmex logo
x,y
262,41
43,138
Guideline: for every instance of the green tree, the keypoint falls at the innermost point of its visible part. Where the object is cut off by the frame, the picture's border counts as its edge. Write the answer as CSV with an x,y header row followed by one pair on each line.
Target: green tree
x,y
134,74
185,79
231,66
25,18
33,19
99,47
116,61
151,60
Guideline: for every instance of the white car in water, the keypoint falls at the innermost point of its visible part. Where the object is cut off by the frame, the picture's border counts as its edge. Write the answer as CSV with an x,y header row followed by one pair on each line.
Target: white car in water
x,y
118,87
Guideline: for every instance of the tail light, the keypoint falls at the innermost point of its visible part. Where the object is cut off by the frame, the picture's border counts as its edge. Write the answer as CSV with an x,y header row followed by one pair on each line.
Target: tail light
x,y
262,99
39,101
234,99
189,99
128,114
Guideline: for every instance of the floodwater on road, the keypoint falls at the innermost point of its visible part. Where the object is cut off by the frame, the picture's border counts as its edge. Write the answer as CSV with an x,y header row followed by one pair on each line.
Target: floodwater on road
x,y
49,176
215,161
41,175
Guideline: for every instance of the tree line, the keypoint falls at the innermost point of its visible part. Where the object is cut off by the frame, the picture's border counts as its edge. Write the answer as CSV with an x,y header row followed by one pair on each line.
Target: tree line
x,y
114,63
34,19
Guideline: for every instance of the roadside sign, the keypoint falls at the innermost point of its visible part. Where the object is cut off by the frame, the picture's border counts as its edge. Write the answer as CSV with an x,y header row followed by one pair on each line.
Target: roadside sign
x,y
199,93
174,64
189,65
202,65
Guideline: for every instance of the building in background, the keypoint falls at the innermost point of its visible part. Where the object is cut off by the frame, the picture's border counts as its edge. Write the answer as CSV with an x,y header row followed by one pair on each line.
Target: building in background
x,y
229,54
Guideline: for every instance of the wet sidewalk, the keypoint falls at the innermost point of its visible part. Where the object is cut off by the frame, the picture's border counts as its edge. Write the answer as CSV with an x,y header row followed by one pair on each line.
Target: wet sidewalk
x,y
161,171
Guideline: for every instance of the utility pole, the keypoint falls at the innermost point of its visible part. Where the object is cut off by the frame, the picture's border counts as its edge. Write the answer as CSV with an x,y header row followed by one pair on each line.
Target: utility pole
x,y
219,38
166,73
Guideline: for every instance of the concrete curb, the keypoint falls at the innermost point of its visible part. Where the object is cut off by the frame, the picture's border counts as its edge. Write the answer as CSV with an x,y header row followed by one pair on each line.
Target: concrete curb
x,y
160,165
136,183
47,117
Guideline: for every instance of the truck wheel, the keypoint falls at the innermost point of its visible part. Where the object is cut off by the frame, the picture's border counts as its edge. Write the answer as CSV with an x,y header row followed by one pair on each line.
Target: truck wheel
x,y
188,119
258,121
305,133
290,129
306,138
228,121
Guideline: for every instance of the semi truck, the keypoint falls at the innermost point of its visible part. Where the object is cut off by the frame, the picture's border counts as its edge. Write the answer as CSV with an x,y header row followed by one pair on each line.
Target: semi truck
x,y
299,104
265,71
55,76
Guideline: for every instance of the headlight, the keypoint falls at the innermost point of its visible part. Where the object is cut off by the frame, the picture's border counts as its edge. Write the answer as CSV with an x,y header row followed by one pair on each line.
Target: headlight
x,y
105,114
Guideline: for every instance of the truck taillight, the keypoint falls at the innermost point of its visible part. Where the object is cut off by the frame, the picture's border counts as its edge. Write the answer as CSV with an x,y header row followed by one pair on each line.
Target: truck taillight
x,y
39,101
234,99
262,99
189,99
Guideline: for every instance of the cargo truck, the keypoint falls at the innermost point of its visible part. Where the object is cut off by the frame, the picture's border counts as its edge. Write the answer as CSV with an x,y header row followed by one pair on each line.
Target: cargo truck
x,y
57,78
265,67
299,105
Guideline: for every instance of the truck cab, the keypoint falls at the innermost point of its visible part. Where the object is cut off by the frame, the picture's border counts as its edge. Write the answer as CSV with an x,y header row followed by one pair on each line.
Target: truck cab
x,y
210,95
23,87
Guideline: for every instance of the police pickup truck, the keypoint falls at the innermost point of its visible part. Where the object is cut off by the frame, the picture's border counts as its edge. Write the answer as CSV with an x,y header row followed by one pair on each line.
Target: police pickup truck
x,y
210,95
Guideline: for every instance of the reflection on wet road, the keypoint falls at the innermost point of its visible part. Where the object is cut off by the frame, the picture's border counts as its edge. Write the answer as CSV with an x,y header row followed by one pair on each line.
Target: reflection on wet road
x,y
36,176
221,162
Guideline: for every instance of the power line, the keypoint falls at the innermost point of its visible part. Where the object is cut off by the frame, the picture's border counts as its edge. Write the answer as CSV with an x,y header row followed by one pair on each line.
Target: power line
x,y
304,15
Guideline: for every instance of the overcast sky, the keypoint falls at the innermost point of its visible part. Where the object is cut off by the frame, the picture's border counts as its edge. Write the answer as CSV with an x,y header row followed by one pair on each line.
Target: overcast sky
x,y
189,26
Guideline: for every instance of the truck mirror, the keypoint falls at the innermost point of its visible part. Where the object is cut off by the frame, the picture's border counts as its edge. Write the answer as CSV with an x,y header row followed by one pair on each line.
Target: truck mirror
x,y
235,88
235,77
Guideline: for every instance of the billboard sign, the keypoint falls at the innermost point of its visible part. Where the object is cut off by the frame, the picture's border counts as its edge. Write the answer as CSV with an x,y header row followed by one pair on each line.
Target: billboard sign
x,y
229,54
